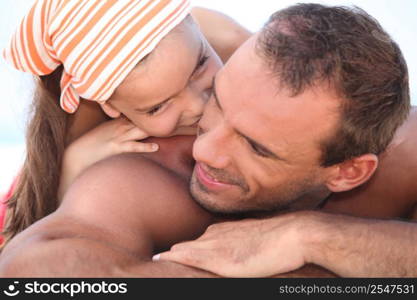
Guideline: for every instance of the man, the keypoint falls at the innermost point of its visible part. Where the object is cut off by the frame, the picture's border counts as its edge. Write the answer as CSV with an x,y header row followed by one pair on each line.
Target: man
x,y
301,111
310,159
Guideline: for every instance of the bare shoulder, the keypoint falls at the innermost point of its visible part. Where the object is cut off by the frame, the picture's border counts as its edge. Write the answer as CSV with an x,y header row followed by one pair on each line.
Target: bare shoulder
x,y
116,214
43,251
63,246
131,193
413,213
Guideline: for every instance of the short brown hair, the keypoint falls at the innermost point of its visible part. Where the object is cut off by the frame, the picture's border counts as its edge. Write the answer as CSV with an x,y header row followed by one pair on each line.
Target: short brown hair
x,y
308,44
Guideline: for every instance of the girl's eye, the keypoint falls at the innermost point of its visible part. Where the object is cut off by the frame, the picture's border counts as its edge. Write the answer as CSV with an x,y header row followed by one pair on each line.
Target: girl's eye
x,y
203,60
155,110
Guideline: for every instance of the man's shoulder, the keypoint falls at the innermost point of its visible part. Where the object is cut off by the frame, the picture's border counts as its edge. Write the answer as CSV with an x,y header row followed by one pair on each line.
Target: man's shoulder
x,y
129,191
123,175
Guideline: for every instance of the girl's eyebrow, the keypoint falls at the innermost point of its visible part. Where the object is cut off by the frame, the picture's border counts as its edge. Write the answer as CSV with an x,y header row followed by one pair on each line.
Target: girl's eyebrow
x,y
197,66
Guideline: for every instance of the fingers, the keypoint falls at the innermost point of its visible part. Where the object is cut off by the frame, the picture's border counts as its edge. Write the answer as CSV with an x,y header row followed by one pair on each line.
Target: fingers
x,y
209,245
138,147
129,136
204,259
196,258
133,134
121,124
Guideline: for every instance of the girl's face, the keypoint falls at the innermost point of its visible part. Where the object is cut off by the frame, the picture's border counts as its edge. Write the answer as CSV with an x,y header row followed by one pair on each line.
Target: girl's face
x,y
166,93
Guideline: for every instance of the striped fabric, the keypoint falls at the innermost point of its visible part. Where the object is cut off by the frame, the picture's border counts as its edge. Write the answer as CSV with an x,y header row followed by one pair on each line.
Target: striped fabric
x,y
98,41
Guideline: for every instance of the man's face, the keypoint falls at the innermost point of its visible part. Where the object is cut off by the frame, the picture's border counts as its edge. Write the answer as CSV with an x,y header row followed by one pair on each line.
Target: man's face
x,y
258,148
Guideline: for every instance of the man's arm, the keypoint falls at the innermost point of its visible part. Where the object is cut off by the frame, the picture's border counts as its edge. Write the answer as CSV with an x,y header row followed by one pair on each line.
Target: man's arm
x,y
84,257
356,247
308,271
63,257
346,246
111,220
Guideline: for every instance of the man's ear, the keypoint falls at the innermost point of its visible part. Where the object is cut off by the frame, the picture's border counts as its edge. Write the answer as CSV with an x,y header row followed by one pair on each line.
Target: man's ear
x,y
110,110
352,173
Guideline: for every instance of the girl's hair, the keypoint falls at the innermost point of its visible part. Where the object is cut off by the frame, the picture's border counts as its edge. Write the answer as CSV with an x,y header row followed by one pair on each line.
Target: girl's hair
x,y
35,195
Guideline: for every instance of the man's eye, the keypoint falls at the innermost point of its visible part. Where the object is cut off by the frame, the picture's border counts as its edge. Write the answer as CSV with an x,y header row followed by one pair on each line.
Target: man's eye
x,y
257,150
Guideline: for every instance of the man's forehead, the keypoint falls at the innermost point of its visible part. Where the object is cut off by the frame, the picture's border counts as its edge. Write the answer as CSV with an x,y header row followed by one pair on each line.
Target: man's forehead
x,y
246,82
245,60
245,75
253,102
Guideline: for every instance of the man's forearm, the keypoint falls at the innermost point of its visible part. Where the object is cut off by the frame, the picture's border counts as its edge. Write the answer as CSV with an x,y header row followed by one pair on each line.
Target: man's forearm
x,y
354,247
83,257
307,271
164,269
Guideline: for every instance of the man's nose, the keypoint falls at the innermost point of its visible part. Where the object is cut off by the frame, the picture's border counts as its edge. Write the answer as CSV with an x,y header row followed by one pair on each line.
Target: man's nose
x,y
212,149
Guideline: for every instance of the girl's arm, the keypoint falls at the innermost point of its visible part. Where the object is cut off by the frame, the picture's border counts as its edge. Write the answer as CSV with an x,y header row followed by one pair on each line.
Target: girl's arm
x,y
223,33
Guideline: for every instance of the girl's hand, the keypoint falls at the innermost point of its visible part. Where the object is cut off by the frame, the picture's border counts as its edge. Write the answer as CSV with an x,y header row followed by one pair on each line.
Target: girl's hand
x,y
108,139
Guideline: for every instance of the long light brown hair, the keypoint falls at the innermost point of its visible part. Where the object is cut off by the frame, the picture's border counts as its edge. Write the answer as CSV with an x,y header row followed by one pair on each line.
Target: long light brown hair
x,y
35,195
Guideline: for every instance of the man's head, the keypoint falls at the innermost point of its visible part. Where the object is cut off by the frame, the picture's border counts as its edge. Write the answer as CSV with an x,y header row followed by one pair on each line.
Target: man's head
x,y
302,109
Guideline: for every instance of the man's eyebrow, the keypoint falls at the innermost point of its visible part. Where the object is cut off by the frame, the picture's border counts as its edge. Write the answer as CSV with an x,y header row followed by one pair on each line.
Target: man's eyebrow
x,y
258,145
196,68
265,151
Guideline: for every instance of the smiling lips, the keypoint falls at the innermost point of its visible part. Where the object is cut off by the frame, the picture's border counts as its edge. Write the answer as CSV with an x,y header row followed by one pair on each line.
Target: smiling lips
x,y
208,180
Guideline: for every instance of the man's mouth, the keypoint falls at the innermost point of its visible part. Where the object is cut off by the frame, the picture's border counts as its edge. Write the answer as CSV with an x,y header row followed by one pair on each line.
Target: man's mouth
x,y
208,180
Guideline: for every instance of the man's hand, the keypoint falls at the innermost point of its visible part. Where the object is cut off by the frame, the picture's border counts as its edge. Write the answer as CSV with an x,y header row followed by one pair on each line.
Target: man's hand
x,y
248,248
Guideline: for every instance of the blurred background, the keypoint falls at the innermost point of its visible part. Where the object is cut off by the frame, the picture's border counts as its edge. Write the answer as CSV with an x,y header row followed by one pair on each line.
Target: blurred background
x,y
397,17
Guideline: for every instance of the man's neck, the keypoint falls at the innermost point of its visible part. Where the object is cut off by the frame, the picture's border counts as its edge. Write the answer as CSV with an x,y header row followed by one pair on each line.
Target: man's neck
x,y
314,200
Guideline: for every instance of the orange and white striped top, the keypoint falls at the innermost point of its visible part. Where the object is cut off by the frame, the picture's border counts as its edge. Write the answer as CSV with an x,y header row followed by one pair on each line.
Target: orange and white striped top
x,y
98,41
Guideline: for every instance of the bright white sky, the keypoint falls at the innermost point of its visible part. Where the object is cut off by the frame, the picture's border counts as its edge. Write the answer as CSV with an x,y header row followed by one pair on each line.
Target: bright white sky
x,y
397,17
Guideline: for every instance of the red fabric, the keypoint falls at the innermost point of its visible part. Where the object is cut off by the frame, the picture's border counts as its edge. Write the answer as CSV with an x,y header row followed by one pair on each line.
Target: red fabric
x,y
3,200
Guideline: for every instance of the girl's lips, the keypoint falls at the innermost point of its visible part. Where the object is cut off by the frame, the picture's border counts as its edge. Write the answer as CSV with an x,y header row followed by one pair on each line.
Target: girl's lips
x,y
209,181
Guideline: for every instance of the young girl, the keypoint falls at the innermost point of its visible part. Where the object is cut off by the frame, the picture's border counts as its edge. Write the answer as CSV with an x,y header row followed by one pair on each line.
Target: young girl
x,y
143,62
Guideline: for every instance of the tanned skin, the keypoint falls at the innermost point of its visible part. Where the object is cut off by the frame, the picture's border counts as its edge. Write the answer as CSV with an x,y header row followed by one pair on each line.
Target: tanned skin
x,y
113,218
391,192
125,209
